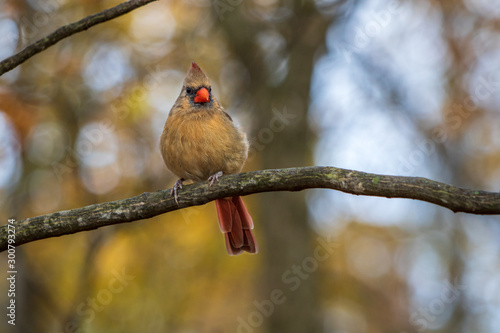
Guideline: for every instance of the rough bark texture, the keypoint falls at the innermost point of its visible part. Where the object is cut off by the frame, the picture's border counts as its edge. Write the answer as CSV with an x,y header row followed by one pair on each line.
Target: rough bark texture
x,y
150,204
68,30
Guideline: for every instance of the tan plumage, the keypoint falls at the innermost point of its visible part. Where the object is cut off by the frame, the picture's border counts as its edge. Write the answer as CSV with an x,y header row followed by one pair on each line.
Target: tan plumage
x,y
200,140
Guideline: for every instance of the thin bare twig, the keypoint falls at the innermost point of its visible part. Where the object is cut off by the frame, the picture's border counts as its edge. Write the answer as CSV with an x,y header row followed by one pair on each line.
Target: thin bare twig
x,y
68,30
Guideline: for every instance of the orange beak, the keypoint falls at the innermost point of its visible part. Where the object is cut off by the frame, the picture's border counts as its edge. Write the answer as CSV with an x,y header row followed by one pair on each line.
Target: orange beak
x,y
202,96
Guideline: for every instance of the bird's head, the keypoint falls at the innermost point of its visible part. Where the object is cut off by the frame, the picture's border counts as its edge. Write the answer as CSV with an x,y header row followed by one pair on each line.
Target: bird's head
x,y
196,88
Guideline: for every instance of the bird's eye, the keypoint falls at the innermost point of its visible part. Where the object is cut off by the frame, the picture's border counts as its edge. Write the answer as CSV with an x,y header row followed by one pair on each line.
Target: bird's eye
x,y
189,91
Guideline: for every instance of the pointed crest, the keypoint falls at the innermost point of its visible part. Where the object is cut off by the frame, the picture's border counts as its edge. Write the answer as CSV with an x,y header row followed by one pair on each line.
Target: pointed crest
x,y
195,77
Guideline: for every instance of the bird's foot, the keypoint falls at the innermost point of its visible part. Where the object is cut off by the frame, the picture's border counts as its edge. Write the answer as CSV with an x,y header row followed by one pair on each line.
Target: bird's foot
x,y
173,192
215,177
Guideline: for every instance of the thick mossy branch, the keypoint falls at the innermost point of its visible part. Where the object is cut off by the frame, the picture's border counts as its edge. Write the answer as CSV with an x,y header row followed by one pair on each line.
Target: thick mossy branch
x,y
150,204
68,30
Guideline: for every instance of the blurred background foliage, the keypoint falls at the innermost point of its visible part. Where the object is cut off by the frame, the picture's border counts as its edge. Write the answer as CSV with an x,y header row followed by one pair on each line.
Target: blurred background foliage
x,y
394,87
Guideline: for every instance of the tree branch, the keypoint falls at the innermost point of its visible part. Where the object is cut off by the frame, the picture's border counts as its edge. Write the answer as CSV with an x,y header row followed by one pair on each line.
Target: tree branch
x,y
68,30
150,204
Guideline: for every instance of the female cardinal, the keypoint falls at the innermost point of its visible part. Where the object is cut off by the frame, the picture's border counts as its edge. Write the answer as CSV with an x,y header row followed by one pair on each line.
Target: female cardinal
x,y
200,142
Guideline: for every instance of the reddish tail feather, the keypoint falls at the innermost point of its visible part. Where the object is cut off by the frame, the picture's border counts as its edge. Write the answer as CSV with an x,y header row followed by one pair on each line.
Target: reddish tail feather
x,y
237,225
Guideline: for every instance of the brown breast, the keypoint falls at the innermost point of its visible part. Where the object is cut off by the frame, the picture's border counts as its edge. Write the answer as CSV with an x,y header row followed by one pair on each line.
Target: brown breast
x,y
198,144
